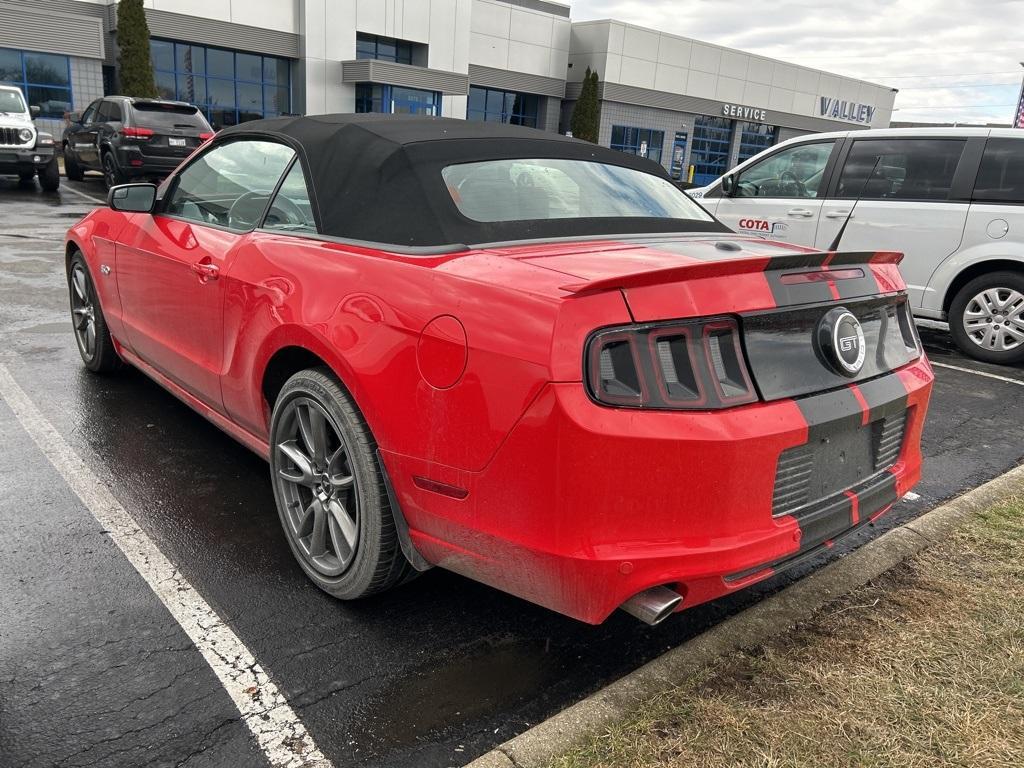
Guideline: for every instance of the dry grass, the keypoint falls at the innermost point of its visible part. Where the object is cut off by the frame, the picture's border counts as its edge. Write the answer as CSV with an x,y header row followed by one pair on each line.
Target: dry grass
x,y
923,667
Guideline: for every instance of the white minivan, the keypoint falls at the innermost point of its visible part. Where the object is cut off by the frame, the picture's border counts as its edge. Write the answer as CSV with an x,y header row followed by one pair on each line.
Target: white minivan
x,y
951,199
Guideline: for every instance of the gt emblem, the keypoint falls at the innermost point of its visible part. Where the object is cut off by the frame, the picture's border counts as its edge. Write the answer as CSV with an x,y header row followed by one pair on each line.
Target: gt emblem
x,y
104,269
840,341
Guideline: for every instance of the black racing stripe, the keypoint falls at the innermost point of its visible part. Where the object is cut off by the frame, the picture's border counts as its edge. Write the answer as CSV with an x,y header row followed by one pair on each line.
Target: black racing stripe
x,y
858,286
885,396
877,495
797,293
830,413
826,521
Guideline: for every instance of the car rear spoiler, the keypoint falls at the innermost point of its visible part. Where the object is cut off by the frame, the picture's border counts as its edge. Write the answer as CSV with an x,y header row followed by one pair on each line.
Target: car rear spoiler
x,y
822,262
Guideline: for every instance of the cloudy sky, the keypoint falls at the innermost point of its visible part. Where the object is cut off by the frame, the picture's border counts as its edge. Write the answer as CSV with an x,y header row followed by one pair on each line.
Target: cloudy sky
x,y
951,60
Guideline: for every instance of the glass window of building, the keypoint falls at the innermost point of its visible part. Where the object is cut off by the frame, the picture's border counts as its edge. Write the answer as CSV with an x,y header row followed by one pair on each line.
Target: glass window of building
x,y
638,141
755,138
396,100
712,137
44,79
383,48
496,106
230,87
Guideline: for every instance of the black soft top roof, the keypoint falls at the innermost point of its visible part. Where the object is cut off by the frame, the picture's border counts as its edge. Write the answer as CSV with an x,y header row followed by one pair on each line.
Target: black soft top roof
x,y
377,178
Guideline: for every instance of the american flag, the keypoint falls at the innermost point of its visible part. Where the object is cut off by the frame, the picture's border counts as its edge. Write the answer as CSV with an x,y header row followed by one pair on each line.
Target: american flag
x,y
1018,120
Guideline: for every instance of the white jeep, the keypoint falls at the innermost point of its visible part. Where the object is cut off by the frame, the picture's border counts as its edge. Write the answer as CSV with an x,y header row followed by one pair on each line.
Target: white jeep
x,y
25,151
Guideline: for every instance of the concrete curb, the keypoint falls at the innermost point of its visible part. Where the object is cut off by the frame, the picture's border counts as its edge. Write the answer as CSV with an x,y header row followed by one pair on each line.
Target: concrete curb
x,y
536,747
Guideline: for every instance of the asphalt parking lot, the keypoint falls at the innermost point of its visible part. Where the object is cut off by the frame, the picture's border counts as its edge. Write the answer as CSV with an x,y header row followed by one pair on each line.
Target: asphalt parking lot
x,y
95,671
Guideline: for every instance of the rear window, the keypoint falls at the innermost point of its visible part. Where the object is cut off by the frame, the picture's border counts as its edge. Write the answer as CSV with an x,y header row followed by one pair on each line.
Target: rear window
x,y
169,116
1001,175
519,190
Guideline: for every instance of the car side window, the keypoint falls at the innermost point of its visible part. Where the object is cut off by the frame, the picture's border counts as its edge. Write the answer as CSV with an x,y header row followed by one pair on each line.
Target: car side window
x,y
112,112
291,209
1001,175
900,169
793,172
230,184
90,112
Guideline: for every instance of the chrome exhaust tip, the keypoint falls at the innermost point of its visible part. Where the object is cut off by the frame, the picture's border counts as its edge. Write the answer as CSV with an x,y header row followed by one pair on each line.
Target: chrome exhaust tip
x,y
652,606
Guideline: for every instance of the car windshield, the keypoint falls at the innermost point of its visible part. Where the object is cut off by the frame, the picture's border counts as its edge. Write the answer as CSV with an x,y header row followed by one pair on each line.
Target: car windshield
x,y
518,190
11,101
165,117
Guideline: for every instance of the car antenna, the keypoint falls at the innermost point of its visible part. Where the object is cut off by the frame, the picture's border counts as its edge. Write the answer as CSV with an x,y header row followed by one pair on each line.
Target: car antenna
x,y
839,235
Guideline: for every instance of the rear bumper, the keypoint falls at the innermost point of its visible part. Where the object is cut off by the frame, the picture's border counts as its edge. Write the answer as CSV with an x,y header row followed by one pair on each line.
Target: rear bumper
x,y
24,160
134,164
584,506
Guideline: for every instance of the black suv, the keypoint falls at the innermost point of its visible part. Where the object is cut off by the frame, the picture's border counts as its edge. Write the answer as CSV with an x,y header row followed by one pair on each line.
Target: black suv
x,y
128,138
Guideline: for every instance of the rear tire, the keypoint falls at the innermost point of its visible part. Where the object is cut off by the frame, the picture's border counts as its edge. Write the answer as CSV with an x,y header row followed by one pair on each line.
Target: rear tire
x,y
986,318
71,167
111,174
91,334
329,489
49,176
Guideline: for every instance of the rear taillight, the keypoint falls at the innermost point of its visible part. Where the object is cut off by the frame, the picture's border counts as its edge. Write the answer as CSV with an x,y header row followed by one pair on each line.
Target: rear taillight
x,y
693,364
142,134
205,136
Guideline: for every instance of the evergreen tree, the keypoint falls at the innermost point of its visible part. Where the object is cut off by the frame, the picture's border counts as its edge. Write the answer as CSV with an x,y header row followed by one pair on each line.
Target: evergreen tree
x,y
586,112
135,68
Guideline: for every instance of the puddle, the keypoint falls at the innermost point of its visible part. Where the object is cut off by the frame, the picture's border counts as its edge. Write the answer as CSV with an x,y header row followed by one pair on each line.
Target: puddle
x,y
492,678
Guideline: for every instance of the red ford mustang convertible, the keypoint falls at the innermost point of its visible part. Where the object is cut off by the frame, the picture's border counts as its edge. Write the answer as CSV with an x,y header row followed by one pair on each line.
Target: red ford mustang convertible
x,y
521,357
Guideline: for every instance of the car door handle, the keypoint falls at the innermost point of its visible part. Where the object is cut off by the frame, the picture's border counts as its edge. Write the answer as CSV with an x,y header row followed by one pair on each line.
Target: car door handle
x,y
837,215
803,212
205,270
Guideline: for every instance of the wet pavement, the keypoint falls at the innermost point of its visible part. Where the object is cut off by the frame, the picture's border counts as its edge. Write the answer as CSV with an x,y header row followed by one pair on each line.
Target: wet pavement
x,y
93,669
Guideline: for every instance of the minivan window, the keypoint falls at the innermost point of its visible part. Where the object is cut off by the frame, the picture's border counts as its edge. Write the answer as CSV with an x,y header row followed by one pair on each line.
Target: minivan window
x,y
792,172
900,169
1001,175
165,117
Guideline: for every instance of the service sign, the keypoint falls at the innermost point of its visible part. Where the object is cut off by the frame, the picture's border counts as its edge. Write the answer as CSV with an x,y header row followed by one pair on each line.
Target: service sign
x,y
846,110
745,113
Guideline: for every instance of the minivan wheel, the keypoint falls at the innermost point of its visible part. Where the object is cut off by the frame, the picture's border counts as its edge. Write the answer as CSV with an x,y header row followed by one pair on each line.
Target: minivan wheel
x,y
986,318
329,489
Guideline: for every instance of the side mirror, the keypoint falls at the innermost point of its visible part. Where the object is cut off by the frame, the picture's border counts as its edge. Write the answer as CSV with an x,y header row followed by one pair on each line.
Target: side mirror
x,y
132,198
74,117
729,185
34,111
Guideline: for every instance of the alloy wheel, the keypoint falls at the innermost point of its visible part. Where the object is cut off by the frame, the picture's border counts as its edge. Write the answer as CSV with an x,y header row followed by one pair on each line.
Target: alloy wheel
x,y
315,478
83,311
109,170
994,319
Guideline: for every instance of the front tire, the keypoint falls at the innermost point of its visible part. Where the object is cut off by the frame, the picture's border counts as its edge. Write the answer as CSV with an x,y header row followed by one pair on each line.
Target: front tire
x,y
90,327
986,318
26,176
329,489
71,167
49,176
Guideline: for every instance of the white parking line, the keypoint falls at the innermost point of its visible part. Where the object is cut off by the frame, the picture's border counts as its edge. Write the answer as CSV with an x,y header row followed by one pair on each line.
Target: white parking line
x,y
276,727
1007,379
72,190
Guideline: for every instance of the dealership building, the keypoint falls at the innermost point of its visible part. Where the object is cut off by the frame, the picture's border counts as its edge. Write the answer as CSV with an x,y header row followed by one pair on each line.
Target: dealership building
x,y
694,107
